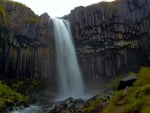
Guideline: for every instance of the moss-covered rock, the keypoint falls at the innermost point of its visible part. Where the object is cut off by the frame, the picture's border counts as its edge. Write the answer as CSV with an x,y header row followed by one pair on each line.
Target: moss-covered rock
x,y
26,86
94,105
31,19
10,98
113,84
135,99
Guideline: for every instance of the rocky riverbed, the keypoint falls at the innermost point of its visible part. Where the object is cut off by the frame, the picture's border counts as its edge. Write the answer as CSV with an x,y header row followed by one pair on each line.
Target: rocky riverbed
x,y
94,104
69,105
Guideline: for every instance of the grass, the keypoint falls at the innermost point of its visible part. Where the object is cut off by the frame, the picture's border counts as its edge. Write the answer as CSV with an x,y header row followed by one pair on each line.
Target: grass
x,y
26,86
115,82
92,105
9,97
135,99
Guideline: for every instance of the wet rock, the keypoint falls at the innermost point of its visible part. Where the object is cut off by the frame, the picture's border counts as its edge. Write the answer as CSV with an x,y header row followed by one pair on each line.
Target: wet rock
x,y
93,98
127,82
68,100
79,105
109,48
57,109
65,111
79,101
48,109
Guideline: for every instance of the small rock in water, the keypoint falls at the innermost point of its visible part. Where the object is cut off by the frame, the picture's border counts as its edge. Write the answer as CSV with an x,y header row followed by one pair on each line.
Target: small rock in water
x,y
49,109
79,105
31,109
68,100
79,101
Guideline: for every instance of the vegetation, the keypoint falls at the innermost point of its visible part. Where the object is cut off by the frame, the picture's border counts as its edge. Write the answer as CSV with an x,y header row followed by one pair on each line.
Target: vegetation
x,y
3,15
15,2
0,50
93,104
31,19
115,81
26,86
9,97
3,37
135,99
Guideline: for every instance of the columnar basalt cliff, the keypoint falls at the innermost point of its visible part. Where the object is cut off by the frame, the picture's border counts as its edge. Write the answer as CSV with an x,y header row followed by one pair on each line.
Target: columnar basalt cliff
x,y
112,38
27,48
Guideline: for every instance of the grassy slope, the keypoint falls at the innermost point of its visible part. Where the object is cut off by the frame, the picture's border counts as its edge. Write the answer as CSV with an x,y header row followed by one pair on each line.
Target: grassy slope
x,y
135,99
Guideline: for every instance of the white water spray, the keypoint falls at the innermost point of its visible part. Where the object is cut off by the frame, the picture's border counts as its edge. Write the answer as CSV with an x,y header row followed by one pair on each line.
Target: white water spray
x,y
70,82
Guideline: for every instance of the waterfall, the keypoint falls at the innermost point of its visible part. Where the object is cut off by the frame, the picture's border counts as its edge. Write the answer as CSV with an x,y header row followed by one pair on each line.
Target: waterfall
x,y
70,82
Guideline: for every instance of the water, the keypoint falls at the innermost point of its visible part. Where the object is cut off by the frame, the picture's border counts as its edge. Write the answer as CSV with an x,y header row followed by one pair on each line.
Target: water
x,y
70,82
31,109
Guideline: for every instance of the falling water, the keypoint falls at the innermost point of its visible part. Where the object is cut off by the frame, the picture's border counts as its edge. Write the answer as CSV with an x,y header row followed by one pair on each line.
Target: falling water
x,y
69,76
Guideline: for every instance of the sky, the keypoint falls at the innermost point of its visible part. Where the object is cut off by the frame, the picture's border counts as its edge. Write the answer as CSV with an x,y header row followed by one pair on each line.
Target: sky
x,y
56,8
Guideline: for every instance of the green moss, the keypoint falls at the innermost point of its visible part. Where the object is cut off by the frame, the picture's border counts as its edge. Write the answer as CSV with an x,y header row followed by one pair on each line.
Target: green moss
x,y
10,97
113,84
111,7
135,99
0,50
3,15
14,2
143,76
2,103
31,19
26,86
92,105
146,110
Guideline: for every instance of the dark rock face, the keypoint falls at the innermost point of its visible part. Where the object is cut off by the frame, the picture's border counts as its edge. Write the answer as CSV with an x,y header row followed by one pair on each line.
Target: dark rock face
x,y
26,42
112,38
127,82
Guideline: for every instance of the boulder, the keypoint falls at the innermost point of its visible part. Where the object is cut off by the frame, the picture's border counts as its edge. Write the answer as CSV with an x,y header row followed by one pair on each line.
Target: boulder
x,y
127,82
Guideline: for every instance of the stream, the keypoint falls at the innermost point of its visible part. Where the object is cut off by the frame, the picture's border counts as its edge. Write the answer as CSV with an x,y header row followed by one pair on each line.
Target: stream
x,y
31,109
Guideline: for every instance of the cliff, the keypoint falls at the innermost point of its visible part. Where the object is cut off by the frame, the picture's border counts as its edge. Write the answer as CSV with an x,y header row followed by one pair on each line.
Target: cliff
x,y
26,43
110,39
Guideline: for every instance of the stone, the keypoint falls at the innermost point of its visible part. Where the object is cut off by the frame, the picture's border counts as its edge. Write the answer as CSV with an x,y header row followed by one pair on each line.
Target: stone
x,y
108,37
68,100
127,82
79,105
79,101
115,50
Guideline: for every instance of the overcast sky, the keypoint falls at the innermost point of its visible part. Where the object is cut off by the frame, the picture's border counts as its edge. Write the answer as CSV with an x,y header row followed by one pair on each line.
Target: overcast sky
x,y
56,8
